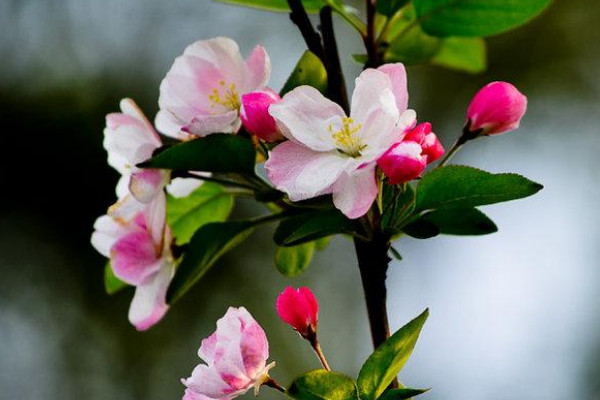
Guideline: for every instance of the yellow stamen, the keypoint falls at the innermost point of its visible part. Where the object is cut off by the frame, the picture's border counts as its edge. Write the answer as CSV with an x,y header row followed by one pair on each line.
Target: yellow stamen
x,y
225,96
346,139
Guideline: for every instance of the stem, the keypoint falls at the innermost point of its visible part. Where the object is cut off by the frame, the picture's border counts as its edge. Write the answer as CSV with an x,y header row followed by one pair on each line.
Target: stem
x,y
373,263
336,86
299,17
272,383
184,174
369,39
457,145
314,342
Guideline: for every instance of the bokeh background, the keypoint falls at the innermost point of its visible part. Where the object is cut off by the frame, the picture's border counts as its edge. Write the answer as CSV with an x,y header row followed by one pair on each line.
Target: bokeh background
x,y
514,315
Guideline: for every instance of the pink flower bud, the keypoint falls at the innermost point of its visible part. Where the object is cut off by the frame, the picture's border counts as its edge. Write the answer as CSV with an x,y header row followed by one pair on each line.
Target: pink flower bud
x,y
430,144
298,308
403,162
497,108
255,116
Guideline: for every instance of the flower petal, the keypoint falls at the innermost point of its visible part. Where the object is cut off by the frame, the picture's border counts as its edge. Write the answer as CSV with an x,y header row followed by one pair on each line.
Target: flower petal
x,y
304,116
145,184
133,257
203,125
397,74
106,233
207,381
258,66
303,173
183,187
353,194
149,302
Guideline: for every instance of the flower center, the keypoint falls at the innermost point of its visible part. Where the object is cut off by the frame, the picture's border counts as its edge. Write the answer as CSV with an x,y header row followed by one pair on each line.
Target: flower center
x,y
347,139
226,96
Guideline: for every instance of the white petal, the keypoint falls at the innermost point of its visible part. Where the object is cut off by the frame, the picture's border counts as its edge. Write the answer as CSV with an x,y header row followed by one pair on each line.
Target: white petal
x,y
354,193
182,187
149,302
304,116
106,232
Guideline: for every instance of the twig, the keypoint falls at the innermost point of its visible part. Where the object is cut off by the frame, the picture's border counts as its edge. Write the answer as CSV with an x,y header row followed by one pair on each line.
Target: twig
x,y
336,86
311,37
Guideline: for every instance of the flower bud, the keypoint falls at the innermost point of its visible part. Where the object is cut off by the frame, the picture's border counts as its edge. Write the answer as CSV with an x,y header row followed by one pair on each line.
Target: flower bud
x,y
255,116
430,144
298,308
497,108
403,162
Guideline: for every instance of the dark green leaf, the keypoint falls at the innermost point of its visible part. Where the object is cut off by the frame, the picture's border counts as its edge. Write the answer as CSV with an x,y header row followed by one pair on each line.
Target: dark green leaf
x,y
475,17
308,71
390,7
462,54
313,225
323,385
401,394
395,253
208,244
398,204
112,284
458,186
214,153
292,261
208,203
385,363
323,243
276,5
453,221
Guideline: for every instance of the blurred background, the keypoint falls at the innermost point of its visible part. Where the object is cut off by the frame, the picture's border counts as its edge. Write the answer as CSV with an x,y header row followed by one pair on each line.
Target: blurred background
x,y
514,315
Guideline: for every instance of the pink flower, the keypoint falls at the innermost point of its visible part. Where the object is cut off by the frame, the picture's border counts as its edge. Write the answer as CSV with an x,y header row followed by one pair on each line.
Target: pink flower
x,y
430,144
201,93
298,308
329,152
129,139
136,239
255,115
497,108
236,359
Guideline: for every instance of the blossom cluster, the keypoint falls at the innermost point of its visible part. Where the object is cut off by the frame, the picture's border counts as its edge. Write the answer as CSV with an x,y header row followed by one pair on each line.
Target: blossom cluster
x,y
315,147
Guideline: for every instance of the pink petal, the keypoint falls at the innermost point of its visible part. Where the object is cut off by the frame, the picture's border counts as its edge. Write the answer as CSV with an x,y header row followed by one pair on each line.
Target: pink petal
x,y
402,162
254,348
170,125
304,115
203,125
208,349
258,65
303,173
432,148
155,217
299,309
397,74
497,108
149,302
145,184
208,382
255,116
133,257
355,192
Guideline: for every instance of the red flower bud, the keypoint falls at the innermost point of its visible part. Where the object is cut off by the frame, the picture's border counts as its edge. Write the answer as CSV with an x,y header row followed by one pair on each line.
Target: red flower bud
x,y
298,308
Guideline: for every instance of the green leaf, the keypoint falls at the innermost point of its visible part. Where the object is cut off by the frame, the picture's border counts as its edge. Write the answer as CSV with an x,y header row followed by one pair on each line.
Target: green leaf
x,y
462,54
308,71
385,363
208,203
323,385
207,245
311,6
401,394
313,225
412,45
390,7
475,17
323,243
458,186
112,284
453,221
219,152
292,261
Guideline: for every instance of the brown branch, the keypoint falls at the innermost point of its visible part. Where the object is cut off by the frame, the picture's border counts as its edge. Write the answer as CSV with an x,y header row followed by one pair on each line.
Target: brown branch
x,y
336,86
299,17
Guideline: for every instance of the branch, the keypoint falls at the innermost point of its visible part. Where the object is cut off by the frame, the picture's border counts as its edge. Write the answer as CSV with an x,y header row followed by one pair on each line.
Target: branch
x,y
311,37
336,86
369,38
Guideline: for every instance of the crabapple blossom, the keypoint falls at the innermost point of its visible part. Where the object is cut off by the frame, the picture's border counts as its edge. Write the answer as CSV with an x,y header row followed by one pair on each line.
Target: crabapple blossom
x,y
497,108
136,239
255,115
236,359
201,93
299,309
129,139
330,152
